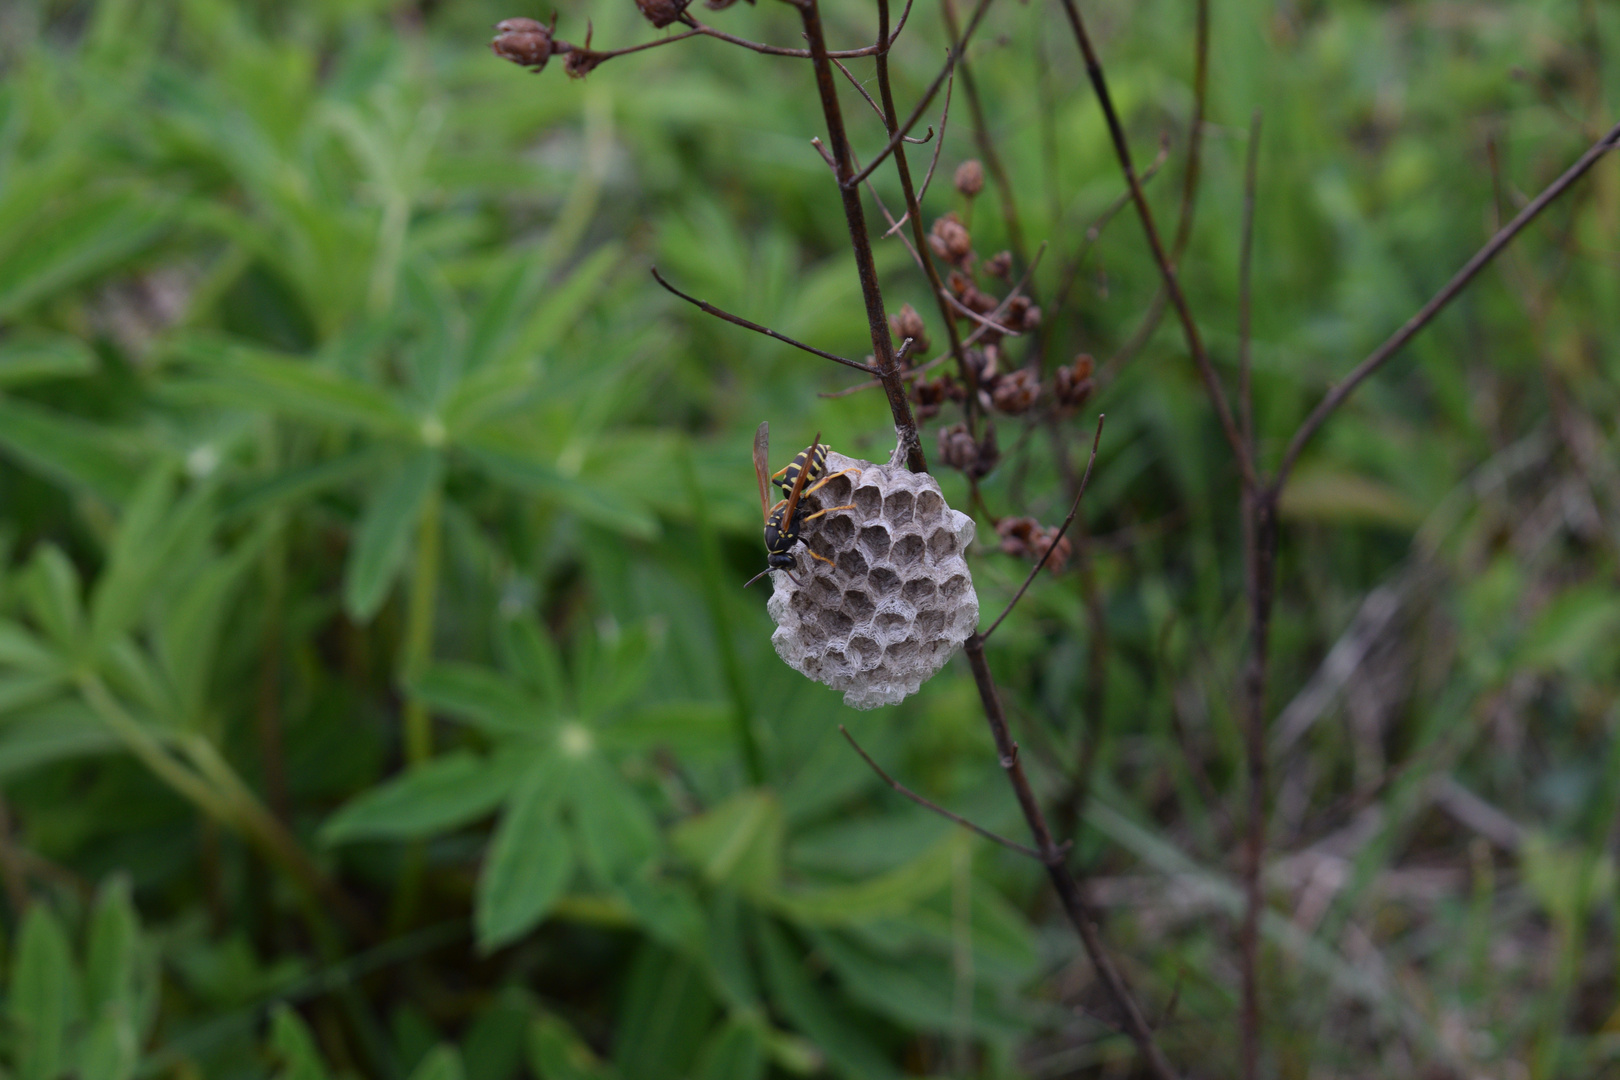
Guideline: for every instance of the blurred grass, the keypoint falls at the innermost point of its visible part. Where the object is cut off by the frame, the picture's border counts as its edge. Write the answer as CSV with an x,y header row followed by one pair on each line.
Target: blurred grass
x,y
372,524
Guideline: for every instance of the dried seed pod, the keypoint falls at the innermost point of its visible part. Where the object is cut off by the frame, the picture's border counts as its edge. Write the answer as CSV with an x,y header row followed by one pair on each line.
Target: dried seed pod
x,y
526,42
1016,391
950,239
662,13
930,395
1024,538
970,178
1072,385
898,600
906,323
999,265
1021,314
958,449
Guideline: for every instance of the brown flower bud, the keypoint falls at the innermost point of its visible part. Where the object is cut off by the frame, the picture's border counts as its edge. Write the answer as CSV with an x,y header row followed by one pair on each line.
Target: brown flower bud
x,y
525,42
958,449
906,323
581,62
950,240
1016,392
930,395
1020,315
1024,538
1073,384
970,178
999,265
662,13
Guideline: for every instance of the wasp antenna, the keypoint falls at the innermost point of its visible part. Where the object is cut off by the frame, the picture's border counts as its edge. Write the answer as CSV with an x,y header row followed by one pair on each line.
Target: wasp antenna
x,y
757,576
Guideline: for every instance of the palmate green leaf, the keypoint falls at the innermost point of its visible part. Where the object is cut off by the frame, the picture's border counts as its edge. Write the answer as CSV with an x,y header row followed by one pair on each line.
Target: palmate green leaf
x,y
21,650
736,1051
816,1013
385,528
50,589
613,669
56,731
668,910
530,860
443,794
893,893
527,652
66,451
26,358
43,993
89,237
738,844
441,1063
515,466
187,635
617,834
666,1009
298,484
113,952
556,1052
293,1044
256,378
481,697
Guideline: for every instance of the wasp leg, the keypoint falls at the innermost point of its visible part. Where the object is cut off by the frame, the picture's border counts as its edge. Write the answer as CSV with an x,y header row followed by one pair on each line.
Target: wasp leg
x,y
823,558
825,480
818,513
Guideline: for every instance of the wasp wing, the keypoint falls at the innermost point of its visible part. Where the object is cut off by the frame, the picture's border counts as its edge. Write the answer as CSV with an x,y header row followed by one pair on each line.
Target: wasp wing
x,y
798,486
762,452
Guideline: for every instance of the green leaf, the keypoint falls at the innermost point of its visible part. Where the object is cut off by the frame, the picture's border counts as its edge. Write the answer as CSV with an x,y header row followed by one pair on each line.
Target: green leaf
x,y
55,732
481,697
27,358
442,1063
738,844
50,587
917,990
88,239
22,650
73,453
109,969
556,1052
527,652
617,833
42,995
736,1051
666,1009
613,671
510,465
530,859
299,388
151,529
893,893
294,1046
443,794
815,1012
380,542
110,1050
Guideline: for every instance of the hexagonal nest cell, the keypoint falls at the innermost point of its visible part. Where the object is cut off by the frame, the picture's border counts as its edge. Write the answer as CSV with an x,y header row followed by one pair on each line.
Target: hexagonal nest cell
x,y
897,599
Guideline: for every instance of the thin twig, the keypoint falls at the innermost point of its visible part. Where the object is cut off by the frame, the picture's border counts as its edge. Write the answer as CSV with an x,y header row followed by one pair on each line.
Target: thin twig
x,y
1047,554
1428,311
1245,293
856,83
928,95
987,147
1167,270
720,313
936,808
1064,883
777,50
887,367
1093,233
983,320
922,192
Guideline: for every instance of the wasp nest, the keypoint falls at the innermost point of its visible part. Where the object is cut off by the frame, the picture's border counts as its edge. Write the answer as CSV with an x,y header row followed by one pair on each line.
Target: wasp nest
x,y
896,601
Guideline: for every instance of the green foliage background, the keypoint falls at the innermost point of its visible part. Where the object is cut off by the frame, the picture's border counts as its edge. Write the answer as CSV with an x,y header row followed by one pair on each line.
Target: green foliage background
x,y
376,697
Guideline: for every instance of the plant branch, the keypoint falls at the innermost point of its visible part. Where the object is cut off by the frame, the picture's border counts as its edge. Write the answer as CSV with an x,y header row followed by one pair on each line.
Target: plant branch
x,y
887,367
1074,509
1067,887
1167,270
856,83
987,147
777,50
933,163
721,313
1012,845
1437,303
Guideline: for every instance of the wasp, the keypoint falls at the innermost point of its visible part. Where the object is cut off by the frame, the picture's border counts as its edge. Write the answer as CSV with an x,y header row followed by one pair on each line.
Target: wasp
x,y
781,520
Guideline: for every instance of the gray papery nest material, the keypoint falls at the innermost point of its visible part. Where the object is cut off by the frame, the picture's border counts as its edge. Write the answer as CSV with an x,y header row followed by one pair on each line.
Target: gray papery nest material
x,y
898,599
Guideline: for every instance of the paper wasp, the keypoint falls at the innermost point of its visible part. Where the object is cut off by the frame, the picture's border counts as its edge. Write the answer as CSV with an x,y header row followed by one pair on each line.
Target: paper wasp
x,y
782,521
